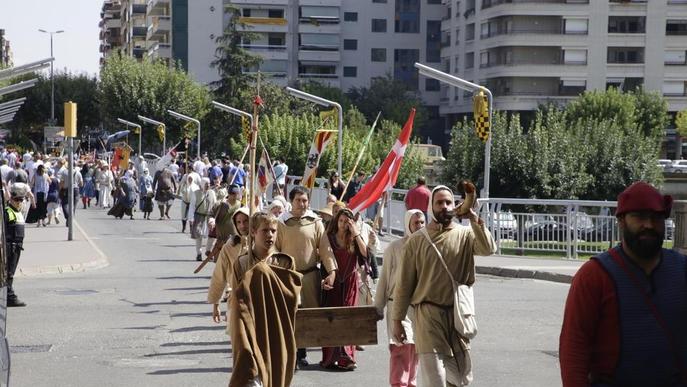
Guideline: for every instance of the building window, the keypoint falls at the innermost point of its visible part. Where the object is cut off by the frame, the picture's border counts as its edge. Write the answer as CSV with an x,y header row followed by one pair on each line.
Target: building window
x,y
470,32
378,55
626,24
469,60
675,57
246,12
351,16
378,25
431,85
319,14
407,18
350,44
625,55
433,1
379,1
404,70
319,42
676,27
350,71
433,50
275,13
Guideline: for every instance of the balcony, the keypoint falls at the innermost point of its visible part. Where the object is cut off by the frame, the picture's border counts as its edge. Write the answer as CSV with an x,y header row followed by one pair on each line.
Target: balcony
x,y
319,55
138,9
160,50
113,23
160,26
141,32
139,52
493,3
158,7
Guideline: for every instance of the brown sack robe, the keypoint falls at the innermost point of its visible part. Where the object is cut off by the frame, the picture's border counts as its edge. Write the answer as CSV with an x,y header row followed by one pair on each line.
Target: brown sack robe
x,y
263,340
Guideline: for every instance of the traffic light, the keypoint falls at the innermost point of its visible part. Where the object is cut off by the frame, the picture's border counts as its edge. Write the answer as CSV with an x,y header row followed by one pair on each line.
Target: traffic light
x,y
481,113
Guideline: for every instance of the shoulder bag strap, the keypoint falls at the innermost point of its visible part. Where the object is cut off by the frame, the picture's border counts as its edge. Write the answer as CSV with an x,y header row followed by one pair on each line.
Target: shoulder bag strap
x,y
436,249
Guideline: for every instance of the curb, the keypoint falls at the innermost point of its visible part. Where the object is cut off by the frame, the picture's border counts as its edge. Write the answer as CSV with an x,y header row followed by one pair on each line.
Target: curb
x,y
524,273
99,263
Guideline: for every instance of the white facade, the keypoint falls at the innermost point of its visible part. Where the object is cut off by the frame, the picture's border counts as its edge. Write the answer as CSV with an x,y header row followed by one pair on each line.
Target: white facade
x,y
530,52
205,21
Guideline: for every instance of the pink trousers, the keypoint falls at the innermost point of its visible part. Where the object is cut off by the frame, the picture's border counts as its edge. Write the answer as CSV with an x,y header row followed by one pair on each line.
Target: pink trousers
x,y
403,365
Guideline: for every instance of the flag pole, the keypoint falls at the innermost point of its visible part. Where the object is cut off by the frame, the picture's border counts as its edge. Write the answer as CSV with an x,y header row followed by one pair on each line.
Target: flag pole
x,y
257,102
245,151
360,155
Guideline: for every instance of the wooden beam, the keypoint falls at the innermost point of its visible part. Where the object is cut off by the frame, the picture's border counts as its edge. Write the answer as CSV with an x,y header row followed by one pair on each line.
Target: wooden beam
x,y
333,327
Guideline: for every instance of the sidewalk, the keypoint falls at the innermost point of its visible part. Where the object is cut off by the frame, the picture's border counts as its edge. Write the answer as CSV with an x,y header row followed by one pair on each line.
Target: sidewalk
x,y
545,269
47,251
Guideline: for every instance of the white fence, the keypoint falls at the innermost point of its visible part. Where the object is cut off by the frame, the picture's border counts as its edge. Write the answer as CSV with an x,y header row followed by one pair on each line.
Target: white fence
x,y
569,228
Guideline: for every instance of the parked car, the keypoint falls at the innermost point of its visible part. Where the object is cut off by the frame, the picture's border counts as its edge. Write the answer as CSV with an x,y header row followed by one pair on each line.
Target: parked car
x,y
679,166
506,224
665,164
547,231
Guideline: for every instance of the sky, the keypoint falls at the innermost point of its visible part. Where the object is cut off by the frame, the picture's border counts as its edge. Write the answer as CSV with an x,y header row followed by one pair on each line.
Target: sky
x,y
75,50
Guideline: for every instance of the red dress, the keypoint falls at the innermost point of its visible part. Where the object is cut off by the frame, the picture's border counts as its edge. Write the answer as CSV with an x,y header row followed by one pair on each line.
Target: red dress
x,y
344,293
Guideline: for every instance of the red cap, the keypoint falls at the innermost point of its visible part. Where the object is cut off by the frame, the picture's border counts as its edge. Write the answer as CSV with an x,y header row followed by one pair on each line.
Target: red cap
x,y
641,196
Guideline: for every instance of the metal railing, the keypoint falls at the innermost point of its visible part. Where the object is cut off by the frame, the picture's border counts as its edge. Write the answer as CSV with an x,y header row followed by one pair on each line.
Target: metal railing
x,y
566,228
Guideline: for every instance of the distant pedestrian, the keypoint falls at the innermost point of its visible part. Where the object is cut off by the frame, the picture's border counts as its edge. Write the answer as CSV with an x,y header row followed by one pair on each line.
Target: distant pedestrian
x,y
403,361
280,172
336,186
105,185
53,199
165,187
77,183
354,187
188,181
40,187
417,197
146,193
14,237
125,198
88,190
200,210
626,314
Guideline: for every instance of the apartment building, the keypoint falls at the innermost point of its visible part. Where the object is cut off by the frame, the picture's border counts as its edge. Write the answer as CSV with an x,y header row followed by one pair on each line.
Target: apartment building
x,y
5,51
180,31
529,52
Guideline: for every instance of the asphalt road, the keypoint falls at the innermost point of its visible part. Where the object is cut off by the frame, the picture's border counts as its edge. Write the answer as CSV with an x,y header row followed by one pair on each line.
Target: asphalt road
x,y
143,321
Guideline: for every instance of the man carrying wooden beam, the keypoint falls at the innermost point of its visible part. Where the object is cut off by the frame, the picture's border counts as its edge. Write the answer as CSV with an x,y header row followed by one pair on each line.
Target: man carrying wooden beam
x,y
301,235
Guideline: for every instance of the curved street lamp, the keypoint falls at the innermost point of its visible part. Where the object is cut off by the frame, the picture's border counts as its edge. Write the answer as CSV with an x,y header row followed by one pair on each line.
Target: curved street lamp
x,y
164,128
188,119
460,83
326,103
129,123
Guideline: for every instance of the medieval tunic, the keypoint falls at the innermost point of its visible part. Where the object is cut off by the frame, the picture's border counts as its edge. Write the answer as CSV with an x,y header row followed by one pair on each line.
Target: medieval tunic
x,y
199,212
424,283
223,275
263,312
386,286
306,241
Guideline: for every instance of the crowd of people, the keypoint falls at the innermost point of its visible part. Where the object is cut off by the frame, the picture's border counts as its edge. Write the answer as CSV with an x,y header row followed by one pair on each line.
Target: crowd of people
x,y
289,256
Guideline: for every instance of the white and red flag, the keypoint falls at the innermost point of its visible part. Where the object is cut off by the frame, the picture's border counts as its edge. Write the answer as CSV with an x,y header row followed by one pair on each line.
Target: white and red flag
x,y
265,172
319,144
386,176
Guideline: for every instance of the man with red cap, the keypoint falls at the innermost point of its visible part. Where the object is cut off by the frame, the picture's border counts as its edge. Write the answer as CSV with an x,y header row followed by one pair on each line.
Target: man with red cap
x,y
625,321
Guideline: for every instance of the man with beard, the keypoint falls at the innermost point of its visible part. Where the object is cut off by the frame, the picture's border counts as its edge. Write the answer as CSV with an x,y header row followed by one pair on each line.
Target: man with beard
x,y
424,283
626,314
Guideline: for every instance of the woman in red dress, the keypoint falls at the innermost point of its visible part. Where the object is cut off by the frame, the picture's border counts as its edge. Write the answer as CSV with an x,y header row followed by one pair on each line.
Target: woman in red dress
x,y
350,252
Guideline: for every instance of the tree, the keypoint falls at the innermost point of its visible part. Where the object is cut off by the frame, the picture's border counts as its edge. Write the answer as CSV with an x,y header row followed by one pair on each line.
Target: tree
x,y
392,97
233,60
129,88
681,122
35,112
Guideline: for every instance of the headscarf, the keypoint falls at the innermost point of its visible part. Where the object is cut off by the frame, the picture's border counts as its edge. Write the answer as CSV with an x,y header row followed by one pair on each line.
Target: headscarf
x,y
240,210
409,215
430,210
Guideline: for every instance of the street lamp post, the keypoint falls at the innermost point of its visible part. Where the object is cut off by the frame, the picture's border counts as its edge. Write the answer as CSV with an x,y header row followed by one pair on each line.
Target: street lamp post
x,y
188,119
468,86
327,103
158,123
52,79
140,131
